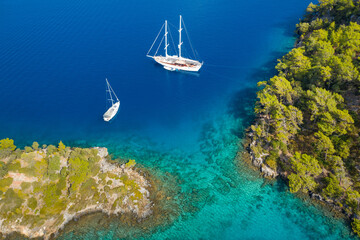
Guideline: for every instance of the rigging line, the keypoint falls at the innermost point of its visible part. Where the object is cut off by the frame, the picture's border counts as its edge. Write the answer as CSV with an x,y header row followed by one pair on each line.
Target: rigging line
x,y
186,53
109,87
197,54
176,48
176,30
188,36
172,25
156,39
172,40
108,91
183,48
106,97
159,45
113,92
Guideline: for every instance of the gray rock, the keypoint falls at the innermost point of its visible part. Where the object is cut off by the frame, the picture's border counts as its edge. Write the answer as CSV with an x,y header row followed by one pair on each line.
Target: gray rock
x,y
268,172
317,196
102,152
257,161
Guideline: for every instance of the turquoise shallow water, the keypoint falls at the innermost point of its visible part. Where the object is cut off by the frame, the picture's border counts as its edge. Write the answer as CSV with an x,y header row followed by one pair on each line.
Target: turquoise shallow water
x,y
187,129
220,199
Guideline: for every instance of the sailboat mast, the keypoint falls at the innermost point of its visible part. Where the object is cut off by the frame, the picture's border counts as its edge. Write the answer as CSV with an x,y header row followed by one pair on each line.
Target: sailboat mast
x,y
180,43
108,89
166,40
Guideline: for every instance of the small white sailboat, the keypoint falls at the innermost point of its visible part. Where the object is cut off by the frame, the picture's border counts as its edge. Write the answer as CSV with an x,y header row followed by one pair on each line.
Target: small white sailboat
x,y
174,62
111,112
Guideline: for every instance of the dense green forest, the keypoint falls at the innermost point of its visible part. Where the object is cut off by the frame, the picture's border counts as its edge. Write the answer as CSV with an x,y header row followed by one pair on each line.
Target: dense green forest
x,y
307,116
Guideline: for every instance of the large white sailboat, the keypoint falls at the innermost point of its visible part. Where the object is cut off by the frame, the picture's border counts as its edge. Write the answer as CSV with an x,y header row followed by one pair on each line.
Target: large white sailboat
x,y
174,62
111,112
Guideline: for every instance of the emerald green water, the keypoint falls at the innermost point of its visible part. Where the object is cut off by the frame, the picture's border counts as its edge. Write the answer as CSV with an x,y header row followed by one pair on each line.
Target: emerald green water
x,y
219,197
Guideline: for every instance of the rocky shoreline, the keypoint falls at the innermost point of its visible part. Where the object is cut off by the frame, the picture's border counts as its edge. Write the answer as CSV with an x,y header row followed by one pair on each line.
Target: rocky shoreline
x,y
258,164
114,190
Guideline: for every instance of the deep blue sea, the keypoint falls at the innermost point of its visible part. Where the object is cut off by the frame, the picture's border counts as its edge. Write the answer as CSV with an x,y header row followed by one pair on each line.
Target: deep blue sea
x,y
55,56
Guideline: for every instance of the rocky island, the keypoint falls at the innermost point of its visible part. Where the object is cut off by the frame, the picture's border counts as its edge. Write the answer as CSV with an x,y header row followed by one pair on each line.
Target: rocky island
x,y
42,189
307,116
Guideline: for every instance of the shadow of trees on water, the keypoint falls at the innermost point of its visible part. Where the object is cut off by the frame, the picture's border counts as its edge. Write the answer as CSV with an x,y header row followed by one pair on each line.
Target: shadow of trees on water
x,y
242,103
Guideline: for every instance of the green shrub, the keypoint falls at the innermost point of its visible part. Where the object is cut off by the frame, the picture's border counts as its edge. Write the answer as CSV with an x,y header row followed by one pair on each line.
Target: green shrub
x,y
274,155
137,195
4,153
352,199
11,201
37,187
117,202
333,188
51,194
271,163
7,144
131,163
3,169
61,185
54,163
283,148
41,167
61,146
88,188
14,167
29,157
32,203
356,226
64,172
17,153
275,144
95,170
25,185
50,149
35,145
56,208
53,177
106,189
28,149
29,171
78,170
5,182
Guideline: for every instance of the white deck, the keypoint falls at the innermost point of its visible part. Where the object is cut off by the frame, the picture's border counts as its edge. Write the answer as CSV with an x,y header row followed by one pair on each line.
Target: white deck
x,y
174,63
111,112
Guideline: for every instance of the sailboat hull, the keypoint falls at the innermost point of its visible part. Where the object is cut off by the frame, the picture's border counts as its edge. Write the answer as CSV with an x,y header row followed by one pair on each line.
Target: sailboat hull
x,y
111,112
174,63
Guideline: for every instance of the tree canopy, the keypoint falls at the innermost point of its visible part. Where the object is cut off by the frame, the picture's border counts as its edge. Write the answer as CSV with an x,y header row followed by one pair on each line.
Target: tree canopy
x,y
307,116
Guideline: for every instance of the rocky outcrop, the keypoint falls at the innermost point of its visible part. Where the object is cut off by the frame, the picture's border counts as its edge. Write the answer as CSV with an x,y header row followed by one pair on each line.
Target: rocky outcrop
x,y
258,161
111,188
268,172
